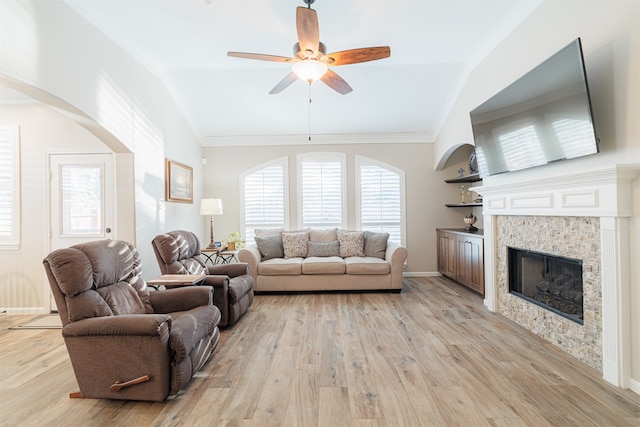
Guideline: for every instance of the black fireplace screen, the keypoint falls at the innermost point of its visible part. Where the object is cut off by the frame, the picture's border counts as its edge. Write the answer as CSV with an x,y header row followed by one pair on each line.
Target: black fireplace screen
x,y
550,281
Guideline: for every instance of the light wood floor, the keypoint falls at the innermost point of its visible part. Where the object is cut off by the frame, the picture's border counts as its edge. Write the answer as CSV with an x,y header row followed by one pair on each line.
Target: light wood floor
x,y
431,355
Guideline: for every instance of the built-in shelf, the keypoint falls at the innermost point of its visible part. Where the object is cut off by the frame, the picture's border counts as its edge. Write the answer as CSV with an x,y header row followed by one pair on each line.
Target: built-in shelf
x,y
460,180
469,178
462,205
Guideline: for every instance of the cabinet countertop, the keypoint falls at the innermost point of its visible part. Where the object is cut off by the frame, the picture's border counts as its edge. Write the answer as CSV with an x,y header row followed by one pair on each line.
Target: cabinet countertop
x,y
479,233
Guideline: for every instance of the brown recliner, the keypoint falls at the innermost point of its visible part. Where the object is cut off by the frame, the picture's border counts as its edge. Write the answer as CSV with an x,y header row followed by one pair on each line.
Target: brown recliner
x,y
178,252
125,342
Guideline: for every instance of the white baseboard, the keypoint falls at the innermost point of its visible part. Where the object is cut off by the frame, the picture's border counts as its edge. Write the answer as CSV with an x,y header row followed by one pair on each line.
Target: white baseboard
x,y
634,385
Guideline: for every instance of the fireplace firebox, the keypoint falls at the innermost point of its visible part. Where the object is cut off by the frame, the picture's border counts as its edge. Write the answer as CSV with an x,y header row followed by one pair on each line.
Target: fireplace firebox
x,y
550,281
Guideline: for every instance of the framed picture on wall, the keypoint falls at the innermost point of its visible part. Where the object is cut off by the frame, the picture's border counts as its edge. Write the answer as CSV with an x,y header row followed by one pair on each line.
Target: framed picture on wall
x,y
178,182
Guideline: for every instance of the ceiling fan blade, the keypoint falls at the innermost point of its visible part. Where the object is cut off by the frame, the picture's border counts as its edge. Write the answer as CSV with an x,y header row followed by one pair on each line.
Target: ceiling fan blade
x,y
284,83
336,82
308,31
260,56
353,56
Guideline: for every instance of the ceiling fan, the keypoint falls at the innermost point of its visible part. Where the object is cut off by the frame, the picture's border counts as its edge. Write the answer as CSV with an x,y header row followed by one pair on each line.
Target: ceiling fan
x,y
310,61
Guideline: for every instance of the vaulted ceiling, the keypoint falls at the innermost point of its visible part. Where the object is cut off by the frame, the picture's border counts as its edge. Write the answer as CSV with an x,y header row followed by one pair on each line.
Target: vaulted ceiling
x,y
404,98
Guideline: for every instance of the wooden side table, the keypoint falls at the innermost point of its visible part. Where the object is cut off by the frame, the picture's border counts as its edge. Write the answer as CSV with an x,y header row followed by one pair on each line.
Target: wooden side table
x,y
174,280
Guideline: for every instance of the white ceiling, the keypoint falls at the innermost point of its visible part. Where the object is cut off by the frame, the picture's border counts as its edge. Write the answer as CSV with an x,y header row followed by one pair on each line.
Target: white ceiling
x,y
404,98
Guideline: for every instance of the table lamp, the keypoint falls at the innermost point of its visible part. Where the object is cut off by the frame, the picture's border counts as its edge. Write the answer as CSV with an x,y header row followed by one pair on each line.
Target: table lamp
x,y
211,207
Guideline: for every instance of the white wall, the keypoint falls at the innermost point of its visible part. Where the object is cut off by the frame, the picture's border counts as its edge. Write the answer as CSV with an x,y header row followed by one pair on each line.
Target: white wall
x,y
50,52
611,42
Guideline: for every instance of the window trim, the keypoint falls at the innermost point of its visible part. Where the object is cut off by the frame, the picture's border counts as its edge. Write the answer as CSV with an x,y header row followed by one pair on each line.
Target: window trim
x,y
11,134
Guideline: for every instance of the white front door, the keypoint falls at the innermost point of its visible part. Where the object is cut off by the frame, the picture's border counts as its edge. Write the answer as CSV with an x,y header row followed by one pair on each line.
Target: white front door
x,y
82,198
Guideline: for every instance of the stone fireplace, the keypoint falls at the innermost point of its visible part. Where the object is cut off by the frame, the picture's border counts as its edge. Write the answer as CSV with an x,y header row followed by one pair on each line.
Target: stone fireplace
x,y
570,237
582,217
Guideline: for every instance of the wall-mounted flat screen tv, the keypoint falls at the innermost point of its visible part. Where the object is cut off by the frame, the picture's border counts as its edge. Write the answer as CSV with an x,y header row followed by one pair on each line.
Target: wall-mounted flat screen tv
x,y
542,117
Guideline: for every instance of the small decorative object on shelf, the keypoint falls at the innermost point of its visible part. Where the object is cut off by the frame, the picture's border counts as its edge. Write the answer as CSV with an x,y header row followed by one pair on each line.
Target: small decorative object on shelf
x,y
460,172
461,194
473,163
470,220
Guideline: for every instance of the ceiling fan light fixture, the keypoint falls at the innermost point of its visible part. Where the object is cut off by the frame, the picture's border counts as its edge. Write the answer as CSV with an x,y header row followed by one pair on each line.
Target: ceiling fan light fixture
x,y
309,70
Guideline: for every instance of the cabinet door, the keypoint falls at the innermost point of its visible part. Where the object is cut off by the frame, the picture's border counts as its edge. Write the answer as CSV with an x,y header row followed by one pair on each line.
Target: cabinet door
x,y
447,254
475,279
442,251
463,250
471,262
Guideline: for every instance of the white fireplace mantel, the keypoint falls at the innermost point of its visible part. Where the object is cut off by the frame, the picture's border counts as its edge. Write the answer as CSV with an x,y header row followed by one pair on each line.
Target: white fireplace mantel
x,y
598,193
604,193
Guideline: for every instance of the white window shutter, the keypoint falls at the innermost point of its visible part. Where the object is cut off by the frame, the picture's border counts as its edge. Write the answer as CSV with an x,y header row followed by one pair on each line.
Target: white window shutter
x,y
381,199
322,192
264,199
9,188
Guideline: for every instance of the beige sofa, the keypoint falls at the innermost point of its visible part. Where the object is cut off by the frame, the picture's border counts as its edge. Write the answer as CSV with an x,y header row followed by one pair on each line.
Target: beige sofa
x,y
324,260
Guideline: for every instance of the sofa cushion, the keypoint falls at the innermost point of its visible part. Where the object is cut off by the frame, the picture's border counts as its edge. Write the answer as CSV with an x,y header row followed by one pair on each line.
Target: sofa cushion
x,y
270,246
295,244
317,249
261,232
323,236
368,265
351,243
281,267
375,244
323,265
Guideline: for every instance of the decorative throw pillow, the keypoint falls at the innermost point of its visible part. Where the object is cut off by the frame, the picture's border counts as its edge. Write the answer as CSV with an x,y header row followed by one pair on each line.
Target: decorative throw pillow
x,y
351,243
270,246
375,244
324,249
295,244
323,236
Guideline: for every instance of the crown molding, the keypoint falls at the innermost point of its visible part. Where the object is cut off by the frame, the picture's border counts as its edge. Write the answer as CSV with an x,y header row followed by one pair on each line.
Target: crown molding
x,y
271,140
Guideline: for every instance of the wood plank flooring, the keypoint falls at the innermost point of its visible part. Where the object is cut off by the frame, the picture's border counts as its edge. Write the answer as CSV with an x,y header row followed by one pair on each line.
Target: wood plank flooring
x,y
429,356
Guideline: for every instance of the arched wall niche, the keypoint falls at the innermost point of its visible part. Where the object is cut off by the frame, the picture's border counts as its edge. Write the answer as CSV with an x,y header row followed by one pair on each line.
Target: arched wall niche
x,y
456,155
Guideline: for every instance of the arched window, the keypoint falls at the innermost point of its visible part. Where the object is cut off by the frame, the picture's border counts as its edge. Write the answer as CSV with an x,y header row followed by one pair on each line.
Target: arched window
x,y
264,198
380,198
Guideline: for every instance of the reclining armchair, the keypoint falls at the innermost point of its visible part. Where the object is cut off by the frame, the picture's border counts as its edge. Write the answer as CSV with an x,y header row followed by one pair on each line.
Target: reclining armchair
x,y
125,342
178,252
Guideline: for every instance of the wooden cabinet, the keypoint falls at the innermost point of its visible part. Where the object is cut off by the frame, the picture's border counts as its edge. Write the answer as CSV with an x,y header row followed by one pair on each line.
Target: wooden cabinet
x,y
461,257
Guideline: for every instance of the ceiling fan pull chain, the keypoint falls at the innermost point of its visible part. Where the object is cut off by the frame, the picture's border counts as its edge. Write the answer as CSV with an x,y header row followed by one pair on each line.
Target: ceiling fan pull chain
x,y
309,111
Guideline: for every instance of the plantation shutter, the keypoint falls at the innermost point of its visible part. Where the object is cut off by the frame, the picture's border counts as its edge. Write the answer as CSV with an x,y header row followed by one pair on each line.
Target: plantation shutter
x,y
9,188
381,205
322,198
264,200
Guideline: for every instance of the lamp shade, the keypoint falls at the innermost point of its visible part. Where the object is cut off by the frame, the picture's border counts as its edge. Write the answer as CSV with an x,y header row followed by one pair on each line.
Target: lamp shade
x,y
211,207
309,70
